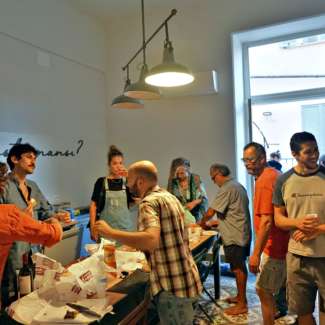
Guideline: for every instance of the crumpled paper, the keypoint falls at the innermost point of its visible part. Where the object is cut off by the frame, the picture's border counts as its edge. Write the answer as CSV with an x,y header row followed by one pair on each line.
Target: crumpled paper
x,y
47,270
84,282
32,309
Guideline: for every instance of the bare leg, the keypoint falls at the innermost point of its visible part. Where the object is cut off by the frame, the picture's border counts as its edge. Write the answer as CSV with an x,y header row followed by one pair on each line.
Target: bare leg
x,y
241,300
307,320
233,299
267,305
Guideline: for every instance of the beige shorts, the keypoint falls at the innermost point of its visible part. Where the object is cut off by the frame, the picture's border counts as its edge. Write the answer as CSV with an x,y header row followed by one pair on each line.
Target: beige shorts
x,y
272,276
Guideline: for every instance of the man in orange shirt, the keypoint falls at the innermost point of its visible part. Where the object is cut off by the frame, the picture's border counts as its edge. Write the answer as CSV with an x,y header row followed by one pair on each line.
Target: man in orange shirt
x,y
18,225
270,240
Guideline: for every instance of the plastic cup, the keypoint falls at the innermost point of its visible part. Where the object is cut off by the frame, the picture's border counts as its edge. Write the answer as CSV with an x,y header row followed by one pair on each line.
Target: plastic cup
x,y
314,215
109,255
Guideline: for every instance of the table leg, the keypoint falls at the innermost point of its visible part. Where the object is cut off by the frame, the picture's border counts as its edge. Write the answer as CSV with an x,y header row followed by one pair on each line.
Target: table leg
x,y
216,275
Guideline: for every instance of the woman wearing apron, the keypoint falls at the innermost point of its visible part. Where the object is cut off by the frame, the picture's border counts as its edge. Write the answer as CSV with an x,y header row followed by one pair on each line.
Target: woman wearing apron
x,y
111,199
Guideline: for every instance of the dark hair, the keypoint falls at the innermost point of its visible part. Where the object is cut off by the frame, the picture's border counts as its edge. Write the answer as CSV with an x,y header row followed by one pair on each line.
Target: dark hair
x,y
222,169
275,154
113,152
260,150
3,169
17,151
299,138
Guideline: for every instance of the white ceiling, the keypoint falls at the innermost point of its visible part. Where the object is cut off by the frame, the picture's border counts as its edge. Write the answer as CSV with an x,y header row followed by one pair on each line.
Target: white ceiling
x,y
105,10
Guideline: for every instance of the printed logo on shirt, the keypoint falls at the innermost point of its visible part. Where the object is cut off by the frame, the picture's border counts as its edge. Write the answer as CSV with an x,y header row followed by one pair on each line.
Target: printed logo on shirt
x,y
296,195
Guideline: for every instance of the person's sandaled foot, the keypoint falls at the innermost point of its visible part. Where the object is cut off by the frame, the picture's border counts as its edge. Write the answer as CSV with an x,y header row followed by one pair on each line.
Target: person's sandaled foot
x,y
236,310
231,300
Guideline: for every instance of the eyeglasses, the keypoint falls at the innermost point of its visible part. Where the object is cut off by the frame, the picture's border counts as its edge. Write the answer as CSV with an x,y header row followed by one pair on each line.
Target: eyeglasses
x,y
213,177
250,160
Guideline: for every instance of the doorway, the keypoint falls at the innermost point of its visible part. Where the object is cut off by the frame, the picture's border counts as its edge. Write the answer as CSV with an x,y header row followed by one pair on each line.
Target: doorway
x,y
279,86
287,94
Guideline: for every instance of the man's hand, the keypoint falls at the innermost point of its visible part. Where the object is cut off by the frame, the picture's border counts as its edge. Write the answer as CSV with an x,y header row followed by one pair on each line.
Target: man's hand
x,y
308,223
212,223
203,225
254,263
52,221
3,182
101,228
191,205
63,216
301,236
29,210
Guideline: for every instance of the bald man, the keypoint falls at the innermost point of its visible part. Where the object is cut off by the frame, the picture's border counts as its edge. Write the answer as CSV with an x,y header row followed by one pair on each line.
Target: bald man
x,y
174,278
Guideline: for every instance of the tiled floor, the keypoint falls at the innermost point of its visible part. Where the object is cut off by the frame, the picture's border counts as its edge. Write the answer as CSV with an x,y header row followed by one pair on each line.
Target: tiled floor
x,y
228,287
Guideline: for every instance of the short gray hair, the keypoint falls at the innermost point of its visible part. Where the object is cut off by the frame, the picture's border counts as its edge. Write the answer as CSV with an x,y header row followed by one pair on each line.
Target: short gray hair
x,y
222,169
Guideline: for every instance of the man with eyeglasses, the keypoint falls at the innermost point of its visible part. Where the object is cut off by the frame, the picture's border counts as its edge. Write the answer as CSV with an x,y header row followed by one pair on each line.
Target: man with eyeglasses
x,y
268,258
299,200
233,219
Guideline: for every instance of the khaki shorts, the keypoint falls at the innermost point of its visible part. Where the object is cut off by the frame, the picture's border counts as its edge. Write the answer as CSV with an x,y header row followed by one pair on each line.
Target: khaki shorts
x,y
272,276
306,276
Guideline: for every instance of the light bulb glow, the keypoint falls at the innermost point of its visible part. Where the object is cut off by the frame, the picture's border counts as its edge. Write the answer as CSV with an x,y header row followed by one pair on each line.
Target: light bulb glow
x,y
169,79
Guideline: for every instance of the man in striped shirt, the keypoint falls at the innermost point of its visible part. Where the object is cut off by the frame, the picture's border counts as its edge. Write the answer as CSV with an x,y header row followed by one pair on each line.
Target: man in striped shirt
x,y
174,278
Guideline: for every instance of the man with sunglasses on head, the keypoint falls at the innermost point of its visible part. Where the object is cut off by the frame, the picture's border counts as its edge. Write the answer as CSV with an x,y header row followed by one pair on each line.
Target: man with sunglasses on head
x,y
268,258
299,200
233,220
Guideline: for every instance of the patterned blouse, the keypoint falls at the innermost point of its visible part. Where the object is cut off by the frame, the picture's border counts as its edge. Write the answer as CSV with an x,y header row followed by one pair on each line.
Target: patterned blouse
x,y
195,191
172,266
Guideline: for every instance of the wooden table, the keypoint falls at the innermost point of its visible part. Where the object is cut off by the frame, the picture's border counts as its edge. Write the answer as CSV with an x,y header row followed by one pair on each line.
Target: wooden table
x,y
207,242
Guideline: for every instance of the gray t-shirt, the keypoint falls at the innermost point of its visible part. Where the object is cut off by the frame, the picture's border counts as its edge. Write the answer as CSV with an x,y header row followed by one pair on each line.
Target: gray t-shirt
x,y
301,195
232,201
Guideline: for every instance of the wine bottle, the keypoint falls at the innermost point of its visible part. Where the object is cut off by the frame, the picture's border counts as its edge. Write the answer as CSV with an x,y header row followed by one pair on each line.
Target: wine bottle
x,y
25,278
31,264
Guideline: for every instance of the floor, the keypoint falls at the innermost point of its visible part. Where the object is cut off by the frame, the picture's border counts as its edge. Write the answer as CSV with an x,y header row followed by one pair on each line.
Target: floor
x,y
228,287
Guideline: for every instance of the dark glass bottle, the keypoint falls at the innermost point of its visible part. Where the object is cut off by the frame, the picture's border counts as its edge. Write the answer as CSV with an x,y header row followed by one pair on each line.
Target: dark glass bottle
x,y
25,278
31,264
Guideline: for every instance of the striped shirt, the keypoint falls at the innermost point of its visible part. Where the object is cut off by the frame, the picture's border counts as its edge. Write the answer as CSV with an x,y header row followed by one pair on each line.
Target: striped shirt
x,y
172,266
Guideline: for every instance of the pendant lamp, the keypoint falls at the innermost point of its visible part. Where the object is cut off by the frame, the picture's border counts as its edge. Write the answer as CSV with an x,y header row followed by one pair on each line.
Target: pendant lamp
x,y
140,89
123,101
169,73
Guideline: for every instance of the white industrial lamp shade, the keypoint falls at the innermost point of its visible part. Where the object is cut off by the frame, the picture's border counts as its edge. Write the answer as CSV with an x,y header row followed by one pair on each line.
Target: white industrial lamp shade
x,y
169,73
140,89
126,102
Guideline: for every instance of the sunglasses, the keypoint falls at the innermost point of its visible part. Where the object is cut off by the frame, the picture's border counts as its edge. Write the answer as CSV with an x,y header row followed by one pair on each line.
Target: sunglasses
x,y
252,160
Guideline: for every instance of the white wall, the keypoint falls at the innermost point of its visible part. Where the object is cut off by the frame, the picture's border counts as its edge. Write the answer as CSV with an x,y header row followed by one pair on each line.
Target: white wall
x,y
200,128
54,106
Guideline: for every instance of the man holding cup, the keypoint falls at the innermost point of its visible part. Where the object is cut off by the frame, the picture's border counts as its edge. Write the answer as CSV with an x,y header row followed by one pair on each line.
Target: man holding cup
x,y
27,196
299,200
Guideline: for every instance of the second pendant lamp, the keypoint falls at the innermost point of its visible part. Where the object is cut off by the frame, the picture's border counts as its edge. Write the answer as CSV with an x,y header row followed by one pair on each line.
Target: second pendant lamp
x,y
140,89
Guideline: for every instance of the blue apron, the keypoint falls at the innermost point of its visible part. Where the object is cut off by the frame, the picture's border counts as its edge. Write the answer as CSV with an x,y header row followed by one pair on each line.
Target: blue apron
x,y
116,212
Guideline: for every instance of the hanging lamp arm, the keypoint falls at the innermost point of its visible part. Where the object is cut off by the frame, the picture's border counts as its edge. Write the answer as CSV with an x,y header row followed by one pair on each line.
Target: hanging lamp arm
x,y
144,45
143,33
166,32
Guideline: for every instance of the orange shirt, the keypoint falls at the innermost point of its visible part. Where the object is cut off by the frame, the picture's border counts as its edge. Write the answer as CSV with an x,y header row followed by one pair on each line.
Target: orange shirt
x,y
17,225
277,244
